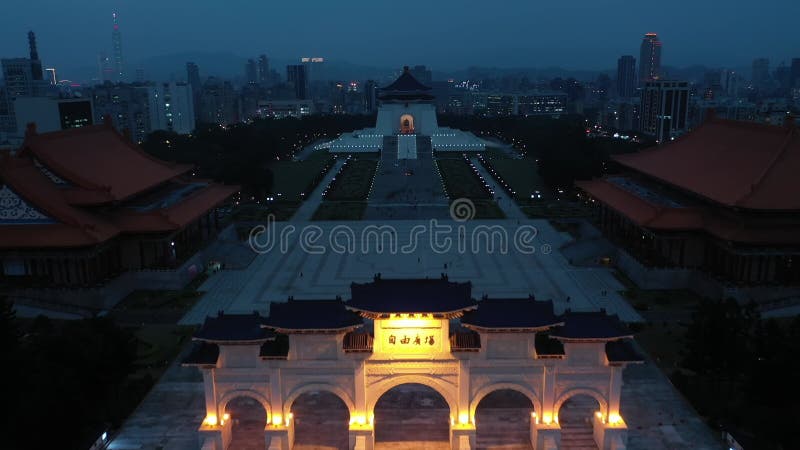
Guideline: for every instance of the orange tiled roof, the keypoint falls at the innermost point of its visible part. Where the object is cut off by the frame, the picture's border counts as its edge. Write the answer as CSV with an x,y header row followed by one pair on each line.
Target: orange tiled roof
x,y
657,217
72,228
99,166
102,165
736,164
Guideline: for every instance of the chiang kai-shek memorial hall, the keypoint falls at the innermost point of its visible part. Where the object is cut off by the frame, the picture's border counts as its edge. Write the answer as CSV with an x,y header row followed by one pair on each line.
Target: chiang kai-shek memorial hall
x,y
430,332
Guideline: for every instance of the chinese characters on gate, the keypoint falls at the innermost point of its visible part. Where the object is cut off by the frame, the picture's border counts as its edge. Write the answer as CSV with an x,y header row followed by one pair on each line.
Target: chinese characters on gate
x,y
406,340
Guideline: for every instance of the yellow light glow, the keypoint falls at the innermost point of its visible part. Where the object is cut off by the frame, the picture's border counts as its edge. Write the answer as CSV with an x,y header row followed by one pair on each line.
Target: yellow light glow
x,y
360,420
410,321
277,420
463,418
535,417
614,419
547,418
226,416
598,414
211,420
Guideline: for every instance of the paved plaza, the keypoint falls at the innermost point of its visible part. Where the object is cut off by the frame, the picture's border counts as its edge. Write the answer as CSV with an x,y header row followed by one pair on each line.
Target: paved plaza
x,y
319,270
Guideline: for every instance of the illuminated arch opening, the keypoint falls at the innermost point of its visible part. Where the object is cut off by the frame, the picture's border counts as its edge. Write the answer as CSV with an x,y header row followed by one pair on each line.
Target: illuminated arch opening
x,y
575,416
248,418
407,124
321,420
503,420
412,416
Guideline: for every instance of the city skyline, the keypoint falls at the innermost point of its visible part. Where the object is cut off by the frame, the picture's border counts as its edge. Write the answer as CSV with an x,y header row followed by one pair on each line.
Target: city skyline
x,y
376,39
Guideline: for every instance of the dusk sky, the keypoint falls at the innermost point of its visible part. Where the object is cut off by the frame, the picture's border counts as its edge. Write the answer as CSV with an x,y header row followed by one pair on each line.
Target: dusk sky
x,y
443,34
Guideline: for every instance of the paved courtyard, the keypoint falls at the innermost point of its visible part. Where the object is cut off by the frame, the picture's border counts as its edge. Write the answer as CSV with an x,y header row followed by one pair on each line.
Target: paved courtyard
x,y
317,270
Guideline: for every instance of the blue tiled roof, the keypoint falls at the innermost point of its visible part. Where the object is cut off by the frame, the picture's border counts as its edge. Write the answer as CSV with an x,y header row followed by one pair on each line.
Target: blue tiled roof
x,y
525,313
311,315
411,296
202,354
406,83
622,351
590,326
233,328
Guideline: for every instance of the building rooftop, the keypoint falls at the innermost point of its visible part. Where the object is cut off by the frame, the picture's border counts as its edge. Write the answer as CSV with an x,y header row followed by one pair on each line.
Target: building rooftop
x,y
47,186
202,354
100,160
622,351
735,164
233,328
590,326
433,296
511,314
405,88
311,315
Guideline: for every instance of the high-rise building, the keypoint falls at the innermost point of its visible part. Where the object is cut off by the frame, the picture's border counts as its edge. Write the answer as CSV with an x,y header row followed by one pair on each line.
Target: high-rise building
x,y
36,63
18,75
296,74
127,105
422,74
263,70
104,70
314,68
794,73
219,102
116,46
626,76
760,75
52,114
171,107
251,72
193,78
370,96
665,109
650,58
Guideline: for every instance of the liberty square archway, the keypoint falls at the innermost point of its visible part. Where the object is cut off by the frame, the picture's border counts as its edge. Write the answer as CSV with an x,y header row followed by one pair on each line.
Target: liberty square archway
x,y
363,348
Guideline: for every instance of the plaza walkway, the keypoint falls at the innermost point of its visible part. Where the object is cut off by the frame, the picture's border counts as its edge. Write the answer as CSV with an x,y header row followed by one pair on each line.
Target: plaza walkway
x,y
504,201
318,270
312,202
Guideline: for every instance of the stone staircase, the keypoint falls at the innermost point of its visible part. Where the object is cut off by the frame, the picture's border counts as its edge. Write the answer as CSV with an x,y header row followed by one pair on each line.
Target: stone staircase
x,y
407,147
389,147
575,418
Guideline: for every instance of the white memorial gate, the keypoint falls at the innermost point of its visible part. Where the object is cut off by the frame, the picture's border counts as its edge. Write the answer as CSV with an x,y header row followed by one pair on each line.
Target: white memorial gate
x,y
429,332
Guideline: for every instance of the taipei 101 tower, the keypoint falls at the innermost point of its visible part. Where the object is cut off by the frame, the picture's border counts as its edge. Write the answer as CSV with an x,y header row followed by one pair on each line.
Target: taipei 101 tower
x,y
116,46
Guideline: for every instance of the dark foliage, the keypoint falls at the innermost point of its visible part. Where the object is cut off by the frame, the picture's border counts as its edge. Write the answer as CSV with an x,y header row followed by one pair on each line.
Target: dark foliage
x,y
564,152
65,381
743,371
241,154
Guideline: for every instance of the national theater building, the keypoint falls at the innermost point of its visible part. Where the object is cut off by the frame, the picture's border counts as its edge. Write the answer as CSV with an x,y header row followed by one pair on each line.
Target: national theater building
x,y
720,202
80,207
396,332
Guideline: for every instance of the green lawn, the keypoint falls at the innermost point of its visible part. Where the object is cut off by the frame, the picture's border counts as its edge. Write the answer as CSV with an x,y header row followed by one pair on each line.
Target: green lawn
x,y
355,181
293,178
521,174
332,210
460,181
157,346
